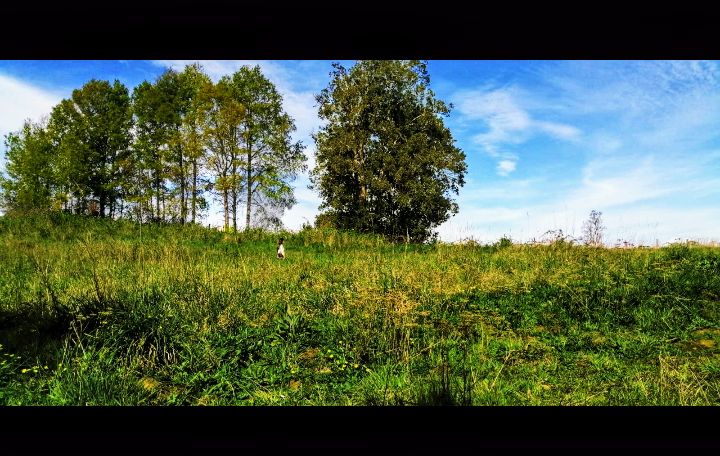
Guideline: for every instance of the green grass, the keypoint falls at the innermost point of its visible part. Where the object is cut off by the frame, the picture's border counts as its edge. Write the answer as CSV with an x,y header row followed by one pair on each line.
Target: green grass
x,y
123,314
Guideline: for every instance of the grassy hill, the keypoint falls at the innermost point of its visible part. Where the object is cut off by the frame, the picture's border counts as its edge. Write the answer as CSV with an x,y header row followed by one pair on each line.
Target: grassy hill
x,y
98,312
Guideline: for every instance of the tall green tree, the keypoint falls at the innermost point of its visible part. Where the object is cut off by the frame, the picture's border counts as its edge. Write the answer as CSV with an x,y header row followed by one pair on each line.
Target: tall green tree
x,y
73,162
171,106
386,163
270,160
31,183
92,134
150,140
221,117
193,79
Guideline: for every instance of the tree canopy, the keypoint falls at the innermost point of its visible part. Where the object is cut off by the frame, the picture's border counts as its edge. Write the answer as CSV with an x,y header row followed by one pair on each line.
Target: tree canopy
x,y
386,163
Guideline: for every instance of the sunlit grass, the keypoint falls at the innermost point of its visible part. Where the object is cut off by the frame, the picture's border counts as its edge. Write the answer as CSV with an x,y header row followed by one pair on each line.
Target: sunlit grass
x,y
128,314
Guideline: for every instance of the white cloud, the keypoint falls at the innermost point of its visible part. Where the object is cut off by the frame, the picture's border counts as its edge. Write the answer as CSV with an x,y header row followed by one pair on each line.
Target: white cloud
x,y
505,167
497,108
20,101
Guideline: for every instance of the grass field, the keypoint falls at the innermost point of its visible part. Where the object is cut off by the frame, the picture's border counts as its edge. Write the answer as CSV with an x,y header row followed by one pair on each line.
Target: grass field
x,y
99,312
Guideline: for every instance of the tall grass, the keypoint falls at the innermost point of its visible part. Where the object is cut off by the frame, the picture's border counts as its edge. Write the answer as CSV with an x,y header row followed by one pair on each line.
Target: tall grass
x,y
164,314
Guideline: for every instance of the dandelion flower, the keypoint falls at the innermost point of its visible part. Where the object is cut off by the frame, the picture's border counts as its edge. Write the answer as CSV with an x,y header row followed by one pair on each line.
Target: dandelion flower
x,y
332,356
46,367
60,365
25,370
355,366
367,369
292,372
329,351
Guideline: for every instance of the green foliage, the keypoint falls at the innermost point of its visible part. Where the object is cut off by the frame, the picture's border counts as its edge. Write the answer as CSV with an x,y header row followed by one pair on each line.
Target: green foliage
x,y
91,139
385,161
503,243
31,184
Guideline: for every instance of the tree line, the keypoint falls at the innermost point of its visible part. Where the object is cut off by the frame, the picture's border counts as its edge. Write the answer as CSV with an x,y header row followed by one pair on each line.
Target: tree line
x,y
158,153
386,163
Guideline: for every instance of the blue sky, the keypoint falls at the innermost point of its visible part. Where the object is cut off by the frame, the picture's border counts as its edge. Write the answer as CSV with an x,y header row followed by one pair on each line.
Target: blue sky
x,y
546,141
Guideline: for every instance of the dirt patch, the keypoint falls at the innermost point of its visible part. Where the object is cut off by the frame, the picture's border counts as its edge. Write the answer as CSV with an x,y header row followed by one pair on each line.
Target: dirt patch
x,y
596,337
702,344
149,383
700,332
309,354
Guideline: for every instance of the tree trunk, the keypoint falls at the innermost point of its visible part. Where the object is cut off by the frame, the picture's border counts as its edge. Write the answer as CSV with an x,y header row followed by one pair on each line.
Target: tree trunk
x,y
194,189
234,200
227,214
101,212
183,203
157,194
249,190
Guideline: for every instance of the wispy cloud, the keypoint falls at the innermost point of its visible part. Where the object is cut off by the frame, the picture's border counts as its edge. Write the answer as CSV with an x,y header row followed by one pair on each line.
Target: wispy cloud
x,y
605,143
615,182
636,90
559,131
500,113
508,122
